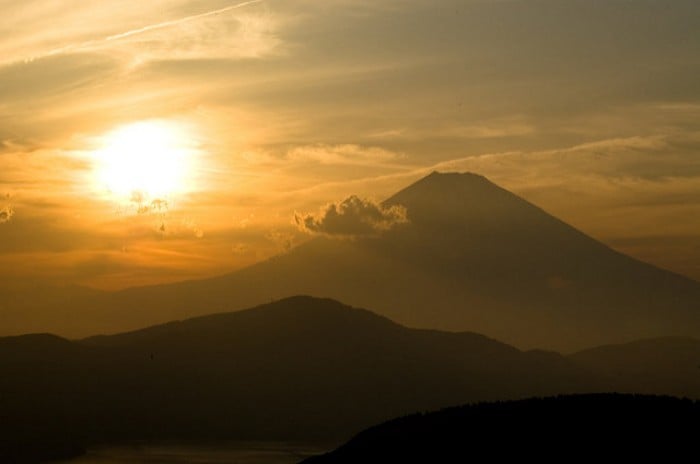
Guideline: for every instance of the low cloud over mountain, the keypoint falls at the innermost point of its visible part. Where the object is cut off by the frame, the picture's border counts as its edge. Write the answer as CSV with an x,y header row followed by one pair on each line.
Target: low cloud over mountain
x,y
353,216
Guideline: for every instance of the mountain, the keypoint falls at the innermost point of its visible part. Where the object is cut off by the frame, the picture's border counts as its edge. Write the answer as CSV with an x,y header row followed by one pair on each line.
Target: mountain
x,y
473,256
556,429
667,364
301,368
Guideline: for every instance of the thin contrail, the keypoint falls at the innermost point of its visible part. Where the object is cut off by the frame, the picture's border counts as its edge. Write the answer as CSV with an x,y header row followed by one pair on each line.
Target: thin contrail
x,y
141,30
178,21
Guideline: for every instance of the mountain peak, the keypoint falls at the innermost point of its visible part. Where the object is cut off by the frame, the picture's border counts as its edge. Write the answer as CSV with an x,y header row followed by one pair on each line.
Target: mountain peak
x,y
454,175
282,318
447,182
449,187
466,198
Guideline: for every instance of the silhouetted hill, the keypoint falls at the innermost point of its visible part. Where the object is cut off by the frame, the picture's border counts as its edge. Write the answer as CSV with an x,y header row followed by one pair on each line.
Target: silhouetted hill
x,y
472,257
300,368
40,376
559,429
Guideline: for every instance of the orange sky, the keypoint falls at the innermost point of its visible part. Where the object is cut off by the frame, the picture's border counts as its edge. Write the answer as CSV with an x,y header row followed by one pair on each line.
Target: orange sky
x,y
590,109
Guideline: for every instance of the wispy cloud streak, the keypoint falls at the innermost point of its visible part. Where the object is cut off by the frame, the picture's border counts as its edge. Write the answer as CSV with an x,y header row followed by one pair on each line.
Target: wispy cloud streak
x,y
178,21
141,30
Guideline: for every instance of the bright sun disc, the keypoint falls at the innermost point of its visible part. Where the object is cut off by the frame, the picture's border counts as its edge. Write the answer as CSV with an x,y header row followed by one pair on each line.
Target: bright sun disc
x,y
149,158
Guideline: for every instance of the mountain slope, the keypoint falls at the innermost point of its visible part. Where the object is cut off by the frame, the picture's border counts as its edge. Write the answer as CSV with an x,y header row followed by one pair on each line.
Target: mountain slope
x,y
668,364
300,368
473,257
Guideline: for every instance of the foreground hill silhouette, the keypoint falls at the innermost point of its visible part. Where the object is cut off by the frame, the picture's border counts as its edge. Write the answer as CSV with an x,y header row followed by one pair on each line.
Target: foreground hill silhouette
x,y
473,256
560,429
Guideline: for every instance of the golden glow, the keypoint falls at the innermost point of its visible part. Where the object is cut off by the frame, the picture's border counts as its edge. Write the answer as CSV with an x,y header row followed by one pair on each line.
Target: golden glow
x,y
151,158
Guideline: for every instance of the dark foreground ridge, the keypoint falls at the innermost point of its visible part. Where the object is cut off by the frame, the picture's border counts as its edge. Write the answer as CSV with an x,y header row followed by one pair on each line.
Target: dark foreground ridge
x,y
554,429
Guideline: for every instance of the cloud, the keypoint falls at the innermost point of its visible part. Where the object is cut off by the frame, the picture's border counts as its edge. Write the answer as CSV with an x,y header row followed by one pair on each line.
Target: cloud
x,y
342,154
245,35
190,227
243,249
240,34
48,231
282,240
100,263
178,21
627,159
353,216
143,206
6,214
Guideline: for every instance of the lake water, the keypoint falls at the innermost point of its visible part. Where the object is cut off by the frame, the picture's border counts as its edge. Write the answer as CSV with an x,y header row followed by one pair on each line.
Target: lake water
x,y
229,453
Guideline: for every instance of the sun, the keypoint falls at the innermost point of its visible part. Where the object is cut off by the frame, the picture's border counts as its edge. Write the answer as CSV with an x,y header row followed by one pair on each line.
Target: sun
x,y
151,159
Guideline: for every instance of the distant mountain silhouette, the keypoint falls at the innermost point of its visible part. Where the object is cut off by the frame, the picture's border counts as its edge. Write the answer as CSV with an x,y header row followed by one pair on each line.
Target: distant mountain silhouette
x,y
575,428
670,365
472,257
301,368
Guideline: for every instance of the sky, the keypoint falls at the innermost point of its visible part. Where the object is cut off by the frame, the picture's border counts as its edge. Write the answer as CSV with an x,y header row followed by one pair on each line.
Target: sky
x,y
238,117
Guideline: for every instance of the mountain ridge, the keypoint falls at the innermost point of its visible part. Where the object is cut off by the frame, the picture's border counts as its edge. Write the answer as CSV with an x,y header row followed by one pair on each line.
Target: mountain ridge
x,y
277,371
472,257
301,368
